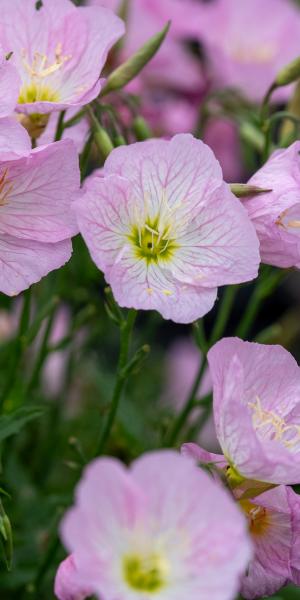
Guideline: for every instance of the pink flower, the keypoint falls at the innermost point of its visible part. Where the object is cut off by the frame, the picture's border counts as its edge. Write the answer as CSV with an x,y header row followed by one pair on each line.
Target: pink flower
x,y
165,229
67,582
35,222
247,43
276,214
181,368
272,517
59,51
156,530
256,392
222,136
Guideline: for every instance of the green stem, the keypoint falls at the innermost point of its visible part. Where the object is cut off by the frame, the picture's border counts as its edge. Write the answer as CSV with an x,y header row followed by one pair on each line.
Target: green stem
x,y
188,407
60,126
125,336
42,355
18,346
223,314
266,285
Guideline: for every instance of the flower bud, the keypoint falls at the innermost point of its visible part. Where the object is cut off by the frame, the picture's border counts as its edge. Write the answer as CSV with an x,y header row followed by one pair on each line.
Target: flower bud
x,y
243,190
126,72
289,74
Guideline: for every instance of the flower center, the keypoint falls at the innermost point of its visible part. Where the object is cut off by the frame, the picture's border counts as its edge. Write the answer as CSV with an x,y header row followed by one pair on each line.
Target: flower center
x,y
273,427
37,89
153,242
145,573
258,517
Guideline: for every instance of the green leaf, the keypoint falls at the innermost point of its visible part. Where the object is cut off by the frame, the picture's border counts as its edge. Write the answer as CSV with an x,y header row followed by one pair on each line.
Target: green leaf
x,y
126,72
12,423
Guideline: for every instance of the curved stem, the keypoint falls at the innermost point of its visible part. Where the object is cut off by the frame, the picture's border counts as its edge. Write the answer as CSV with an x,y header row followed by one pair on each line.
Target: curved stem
x,y
223,314
267,283
125,336
60,126
188,407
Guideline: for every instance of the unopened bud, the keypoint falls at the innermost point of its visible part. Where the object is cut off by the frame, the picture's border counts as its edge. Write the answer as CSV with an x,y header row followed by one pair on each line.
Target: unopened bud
x,y
289,74
243,190
132,67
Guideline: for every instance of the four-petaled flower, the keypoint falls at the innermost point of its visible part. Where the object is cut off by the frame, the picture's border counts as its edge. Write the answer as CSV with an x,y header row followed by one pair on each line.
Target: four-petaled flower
x,y
165,229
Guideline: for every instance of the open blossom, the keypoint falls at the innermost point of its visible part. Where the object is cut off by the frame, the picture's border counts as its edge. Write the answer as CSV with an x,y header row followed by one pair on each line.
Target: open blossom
x,y
247,43
156,530
59,51
276,214
274,525
36,192
256,391
165,229
274,519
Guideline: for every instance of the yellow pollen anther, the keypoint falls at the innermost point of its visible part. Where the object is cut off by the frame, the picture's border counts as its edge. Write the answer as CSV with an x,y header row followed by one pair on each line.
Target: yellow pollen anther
x,y
274,427
258,517
38,89
295,224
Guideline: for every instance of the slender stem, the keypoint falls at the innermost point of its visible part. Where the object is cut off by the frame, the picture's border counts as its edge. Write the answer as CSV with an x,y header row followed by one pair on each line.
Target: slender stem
x,y
188,407
18,346
42,355
125,336
266,102
266,285
223,313
60,126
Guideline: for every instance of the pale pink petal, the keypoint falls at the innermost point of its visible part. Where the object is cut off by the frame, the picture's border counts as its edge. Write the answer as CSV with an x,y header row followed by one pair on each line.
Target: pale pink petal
x,y
219,246
136,285
182,171
14,140
24,262
202,456
67,584
9,87
39,192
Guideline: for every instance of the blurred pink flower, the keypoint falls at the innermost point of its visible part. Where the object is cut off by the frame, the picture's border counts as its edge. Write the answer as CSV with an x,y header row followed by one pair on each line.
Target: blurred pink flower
x,y
256,391
276,214
222,136
182,364
35,221
247,43
274,518
172,84
157,529
165,229
59,51
55,366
